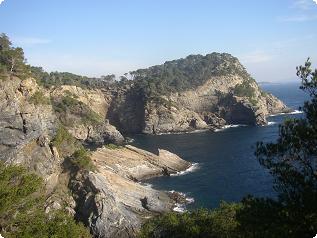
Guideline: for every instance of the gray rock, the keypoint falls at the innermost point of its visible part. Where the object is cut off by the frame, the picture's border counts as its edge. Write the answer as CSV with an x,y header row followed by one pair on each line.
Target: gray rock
x,y
25,128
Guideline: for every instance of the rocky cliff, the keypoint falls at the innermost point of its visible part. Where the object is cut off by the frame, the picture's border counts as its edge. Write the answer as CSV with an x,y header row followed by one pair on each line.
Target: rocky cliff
x,y
26,129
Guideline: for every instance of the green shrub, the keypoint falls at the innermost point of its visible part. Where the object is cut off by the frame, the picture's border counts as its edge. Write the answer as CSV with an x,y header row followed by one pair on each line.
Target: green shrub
x,y
22,214
67,107
16,184
218,223
81,159
65,143
39,98
113,146
183,74
244,90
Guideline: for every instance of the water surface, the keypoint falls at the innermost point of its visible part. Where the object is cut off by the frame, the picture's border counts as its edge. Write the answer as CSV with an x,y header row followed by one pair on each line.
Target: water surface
x,y
228,169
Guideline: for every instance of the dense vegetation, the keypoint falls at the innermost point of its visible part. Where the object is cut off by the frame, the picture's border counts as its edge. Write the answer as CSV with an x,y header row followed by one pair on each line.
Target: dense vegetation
x,y
55,79
183,74
12,61
244,90
81,159
22,213
291,161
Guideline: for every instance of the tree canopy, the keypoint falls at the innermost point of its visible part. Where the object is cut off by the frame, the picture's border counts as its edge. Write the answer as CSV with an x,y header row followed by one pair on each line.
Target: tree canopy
x,y
12,59
183,74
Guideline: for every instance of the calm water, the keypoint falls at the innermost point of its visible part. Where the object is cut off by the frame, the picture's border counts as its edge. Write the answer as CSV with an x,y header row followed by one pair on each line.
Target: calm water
x,y
227,168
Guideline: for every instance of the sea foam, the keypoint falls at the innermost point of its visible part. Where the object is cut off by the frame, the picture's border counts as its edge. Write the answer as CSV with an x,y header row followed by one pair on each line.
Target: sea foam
x,y
192,168
287,113
229,126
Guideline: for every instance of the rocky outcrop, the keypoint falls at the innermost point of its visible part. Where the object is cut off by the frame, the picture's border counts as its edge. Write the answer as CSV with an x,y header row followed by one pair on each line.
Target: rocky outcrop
x,y
103,133
127,109
133,163
162,118
111,201
210,106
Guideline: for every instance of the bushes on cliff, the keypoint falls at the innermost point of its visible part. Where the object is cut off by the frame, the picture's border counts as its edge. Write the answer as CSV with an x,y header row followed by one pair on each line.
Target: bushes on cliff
x,y
81,159
22,212
70,110
244,90
39,98
65,143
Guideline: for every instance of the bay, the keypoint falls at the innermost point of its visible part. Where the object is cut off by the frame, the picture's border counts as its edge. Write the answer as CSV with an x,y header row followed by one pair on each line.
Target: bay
x,y
225,167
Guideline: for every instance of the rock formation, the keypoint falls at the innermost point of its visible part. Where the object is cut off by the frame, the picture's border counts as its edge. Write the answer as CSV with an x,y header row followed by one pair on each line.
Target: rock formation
x,y
111,201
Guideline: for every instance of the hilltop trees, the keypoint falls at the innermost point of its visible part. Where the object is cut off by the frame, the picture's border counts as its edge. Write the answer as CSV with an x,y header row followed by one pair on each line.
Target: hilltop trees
x,y
12,59
183,74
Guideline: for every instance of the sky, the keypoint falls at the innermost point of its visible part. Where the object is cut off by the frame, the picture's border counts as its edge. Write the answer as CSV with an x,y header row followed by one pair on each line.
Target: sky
x,y
100,37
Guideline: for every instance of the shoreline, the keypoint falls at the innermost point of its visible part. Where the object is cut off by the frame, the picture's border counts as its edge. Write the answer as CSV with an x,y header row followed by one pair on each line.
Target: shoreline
x,y
227,126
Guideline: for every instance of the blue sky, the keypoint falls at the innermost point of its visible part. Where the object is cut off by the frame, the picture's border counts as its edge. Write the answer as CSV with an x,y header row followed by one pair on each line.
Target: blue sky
x,y
100,37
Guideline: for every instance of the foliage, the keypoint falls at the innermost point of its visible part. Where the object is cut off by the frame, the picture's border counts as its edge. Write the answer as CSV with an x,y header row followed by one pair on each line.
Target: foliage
x,y
112,146
39,98
16,184
292,161
81,159
65,143
184,74
69,109
244,90
55,79
22,208
12,59
220,223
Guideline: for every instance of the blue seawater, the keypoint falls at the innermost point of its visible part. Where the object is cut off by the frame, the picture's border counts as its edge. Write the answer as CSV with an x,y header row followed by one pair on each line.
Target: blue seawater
x,y
225,165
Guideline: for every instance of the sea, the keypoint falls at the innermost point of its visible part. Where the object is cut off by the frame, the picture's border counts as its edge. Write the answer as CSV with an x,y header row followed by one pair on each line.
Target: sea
x,y
224,165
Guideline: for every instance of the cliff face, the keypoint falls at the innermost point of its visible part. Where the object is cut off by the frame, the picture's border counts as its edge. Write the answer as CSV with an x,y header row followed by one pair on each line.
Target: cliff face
x,y
26,129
